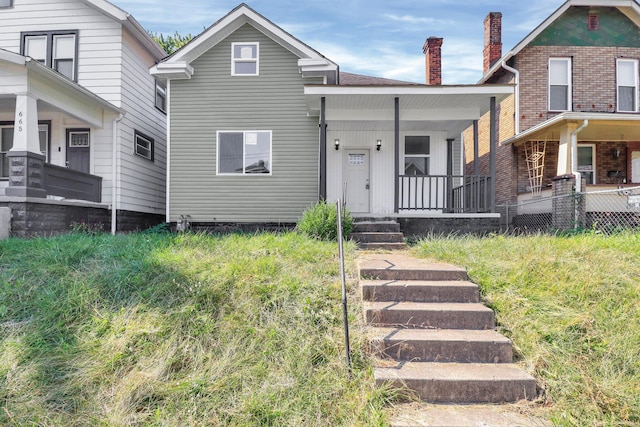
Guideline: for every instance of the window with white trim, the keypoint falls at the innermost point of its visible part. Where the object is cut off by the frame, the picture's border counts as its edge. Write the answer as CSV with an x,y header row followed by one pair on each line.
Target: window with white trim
x,y
161,95
627,84
587,162
6,143
244,152
559,84
57,50
143,145
6,4
417,152
245,59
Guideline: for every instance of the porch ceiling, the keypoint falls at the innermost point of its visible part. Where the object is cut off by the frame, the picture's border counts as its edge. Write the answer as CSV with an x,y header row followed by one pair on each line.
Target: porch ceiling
x,y
601,127
433,108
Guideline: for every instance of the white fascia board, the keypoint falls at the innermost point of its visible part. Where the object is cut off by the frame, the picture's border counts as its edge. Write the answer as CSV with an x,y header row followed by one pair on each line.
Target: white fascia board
x,y
630,4
11,57
409,90
172,70
234,20
129,22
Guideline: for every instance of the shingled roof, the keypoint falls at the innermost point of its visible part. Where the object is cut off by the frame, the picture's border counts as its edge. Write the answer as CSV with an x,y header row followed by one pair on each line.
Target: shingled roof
x,y
350,79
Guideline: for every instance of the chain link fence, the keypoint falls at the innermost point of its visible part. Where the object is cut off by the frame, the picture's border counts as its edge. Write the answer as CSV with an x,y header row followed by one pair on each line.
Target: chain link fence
x,y
605,211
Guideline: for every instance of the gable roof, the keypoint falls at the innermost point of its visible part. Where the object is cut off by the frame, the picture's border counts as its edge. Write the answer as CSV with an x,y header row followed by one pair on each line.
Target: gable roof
x,y
130,23
630,8
178,65
350,79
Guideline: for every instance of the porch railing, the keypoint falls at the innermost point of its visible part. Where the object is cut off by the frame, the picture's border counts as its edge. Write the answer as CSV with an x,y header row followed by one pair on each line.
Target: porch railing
x,y
445,193
71,184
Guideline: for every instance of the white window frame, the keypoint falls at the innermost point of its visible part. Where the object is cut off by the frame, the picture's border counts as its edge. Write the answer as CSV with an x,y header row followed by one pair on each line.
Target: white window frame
x,y
634,84
593,163
161,94
425,156
50,59
143,144
244,153
238,60
552,79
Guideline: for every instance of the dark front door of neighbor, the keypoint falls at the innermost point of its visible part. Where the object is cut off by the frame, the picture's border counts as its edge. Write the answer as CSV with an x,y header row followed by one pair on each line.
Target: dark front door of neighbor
x,y
78,150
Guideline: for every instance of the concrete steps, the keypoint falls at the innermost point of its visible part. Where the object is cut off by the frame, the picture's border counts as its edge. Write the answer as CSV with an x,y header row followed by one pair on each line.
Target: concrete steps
x,y
441,345
431,334
460,382
420,290
377,234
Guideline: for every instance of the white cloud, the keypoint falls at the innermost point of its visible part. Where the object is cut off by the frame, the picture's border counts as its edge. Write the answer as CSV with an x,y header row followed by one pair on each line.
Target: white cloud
x,y
410,19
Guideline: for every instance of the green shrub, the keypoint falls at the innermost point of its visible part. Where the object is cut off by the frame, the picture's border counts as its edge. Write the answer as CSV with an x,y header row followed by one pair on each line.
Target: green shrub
x,y
320,221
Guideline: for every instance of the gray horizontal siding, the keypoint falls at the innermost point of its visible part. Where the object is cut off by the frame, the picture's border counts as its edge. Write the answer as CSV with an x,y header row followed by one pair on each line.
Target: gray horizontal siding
x,y
213,100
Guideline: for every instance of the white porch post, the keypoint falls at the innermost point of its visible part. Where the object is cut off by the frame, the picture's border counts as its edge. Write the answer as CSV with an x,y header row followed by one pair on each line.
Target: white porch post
x,y
564,152
26,163
25,134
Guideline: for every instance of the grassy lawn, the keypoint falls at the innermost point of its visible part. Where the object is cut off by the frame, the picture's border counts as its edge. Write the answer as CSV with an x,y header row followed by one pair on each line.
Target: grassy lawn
x,y
168,330
179,330
572,307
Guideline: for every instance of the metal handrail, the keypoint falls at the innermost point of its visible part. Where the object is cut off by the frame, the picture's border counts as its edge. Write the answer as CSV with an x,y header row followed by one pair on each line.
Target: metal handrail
x,y
344,287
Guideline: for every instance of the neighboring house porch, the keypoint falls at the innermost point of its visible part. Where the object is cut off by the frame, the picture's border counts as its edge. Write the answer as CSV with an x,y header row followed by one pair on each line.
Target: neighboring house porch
x,y
54,136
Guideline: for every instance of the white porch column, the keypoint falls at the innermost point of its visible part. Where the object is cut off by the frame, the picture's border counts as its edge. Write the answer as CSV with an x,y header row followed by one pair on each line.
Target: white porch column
x,y
26,162
564,153
25,133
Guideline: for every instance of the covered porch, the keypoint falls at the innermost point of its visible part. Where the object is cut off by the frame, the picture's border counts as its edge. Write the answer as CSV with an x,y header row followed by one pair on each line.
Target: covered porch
x,y
48,134
396,151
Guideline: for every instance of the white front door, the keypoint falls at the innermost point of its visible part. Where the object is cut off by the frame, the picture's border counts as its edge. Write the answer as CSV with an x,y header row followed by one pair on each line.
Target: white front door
x,y
356,180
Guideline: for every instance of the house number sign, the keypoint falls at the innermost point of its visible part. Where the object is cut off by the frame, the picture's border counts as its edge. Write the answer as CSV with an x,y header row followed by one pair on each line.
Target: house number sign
x,y
20,121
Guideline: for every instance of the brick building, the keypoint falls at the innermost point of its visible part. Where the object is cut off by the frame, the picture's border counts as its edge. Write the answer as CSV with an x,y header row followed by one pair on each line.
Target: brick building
x,y
575,106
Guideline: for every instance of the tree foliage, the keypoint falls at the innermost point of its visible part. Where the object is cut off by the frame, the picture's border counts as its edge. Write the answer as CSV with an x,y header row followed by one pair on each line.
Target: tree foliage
x,y
171,43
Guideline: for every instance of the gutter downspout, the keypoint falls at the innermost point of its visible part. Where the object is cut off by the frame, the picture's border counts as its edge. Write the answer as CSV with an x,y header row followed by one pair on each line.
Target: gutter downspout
x,y
516,73
574,168
114,170
574,155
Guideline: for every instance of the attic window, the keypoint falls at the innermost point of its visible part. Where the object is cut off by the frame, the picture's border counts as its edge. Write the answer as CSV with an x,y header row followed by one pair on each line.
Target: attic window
x,y
245,59
594,22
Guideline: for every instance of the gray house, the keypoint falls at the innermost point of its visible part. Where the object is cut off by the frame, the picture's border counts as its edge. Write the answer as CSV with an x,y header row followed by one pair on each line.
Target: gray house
x,y
260,126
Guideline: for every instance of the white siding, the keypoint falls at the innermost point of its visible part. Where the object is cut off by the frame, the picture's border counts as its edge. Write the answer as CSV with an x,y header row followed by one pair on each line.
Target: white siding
x,y
99,41
382,171
142,182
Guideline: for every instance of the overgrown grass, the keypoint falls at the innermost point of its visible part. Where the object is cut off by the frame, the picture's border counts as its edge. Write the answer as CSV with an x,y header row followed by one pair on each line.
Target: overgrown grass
x,y
169,330
572,307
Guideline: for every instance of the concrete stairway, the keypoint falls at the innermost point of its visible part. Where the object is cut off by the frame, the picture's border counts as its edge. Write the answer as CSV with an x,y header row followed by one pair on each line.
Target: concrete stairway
x,y
377,234
432,335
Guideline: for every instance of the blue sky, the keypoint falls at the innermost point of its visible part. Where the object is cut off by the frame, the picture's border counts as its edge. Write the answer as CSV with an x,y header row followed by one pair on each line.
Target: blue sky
x,y
372,37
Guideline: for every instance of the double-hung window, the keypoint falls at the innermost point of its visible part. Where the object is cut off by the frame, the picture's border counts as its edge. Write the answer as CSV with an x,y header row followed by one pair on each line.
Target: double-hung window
x,y
417,152
161,95
245,59
143,145
244,152
559,84
57,50
6,143
627,82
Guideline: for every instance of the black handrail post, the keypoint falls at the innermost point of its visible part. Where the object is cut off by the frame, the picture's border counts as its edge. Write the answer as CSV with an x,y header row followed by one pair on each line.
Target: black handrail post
x,y
344,288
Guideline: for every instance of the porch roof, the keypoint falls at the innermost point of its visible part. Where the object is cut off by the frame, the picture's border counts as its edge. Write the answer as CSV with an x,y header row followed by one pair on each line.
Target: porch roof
x,y
52,90
422,107
601,127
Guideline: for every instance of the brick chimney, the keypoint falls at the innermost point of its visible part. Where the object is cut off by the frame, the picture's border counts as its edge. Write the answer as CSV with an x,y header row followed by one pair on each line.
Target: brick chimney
x,y
492,39
433,60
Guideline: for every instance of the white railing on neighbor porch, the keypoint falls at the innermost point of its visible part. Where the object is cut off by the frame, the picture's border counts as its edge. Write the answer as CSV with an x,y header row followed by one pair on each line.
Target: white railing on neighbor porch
x,y
445,193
